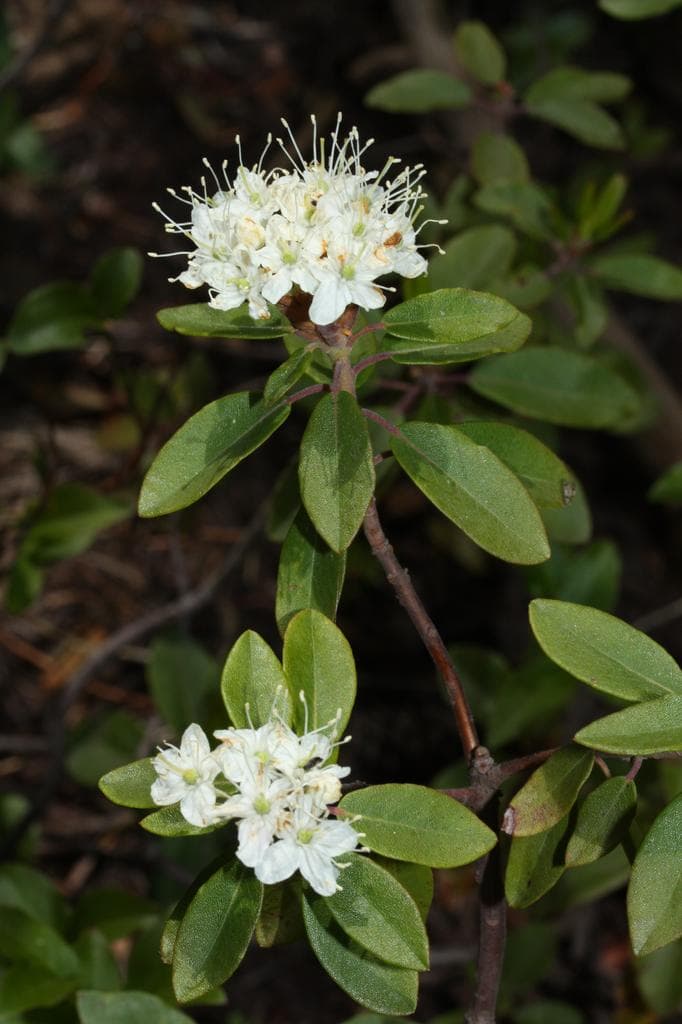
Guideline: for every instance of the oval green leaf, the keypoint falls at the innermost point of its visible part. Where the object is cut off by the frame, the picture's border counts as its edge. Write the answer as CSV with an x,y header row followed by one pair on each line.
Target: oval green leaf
x,y
319,662
310,574
336,469
603,651
474,258
548,480
473,488
655,890
115,280
286,375
654,727
567,388
202,321
480,52
535,864
550,792
602,822
640,274
208,446
375,911
378,986
130,785
417,824
253,675
126,1008
418,91
216,930
168,821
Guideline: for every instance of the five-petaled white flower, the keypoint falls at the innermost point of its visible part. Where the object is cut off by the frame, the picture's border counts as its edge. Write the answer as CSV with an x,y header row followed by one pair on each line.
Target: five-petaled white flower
x,y
186,774
327,226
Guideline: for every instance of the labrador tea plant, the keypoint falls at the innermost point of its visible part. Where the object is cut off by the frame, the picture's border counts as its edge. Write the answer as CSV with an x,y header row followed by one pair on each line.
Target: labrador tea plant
x,y
302,253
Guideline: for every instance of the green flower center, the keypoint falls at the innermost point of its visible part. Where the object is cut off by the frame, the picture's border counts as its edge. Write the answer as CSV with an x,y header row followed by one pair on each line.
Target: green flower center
x,y
261,805
190,776
305,835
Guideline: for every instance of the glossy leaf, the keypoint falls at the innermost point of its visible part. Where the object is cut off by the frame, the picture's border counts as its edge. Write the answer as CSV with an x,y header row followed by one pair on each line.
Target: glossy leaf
x,y
216,930
655,890
640,274
603,651
375,911
654,727
204,449
378,986
534,865
547,479
497,157
417,824
310,574
480,52
202,321
418,91
473,488
115,280
556,385
130,785
126,1008
286,375
253,675
318,660
602,821
550,792
336,470
474,258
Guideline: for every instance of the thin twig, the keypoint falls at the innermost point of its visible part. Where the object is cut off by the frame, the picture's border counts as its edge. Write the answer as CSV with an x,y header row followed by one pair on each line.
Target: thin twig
x,y
185,605
369,329
312,389
491,943
637,763
431,638
378,357
376,417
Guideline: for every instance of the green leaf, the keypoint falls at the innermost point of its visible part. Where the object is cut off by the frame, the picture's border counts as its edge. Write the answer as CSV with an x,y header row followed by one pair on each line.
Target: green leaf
x,y
32,892
202,321
25,987
548,1010
168,821
604,651
375,911
417,824
318,660
547,479
69,521
52,317
632,10
573,83
207,447
216,930
474,258
126,1008
172,924
25,940
480,52
336,470
453,325
418,91
130,785
654,727
115,280
108,741
281,918
535,864
639,274
473,488
586,121
497,157
590,575
253,675
668,488
416,878
655,890
524,203
572,524
98,968
310,574
24,583
588,883
376,985
114,912
659,976
602,822
182,677
550,792
286,375
556,385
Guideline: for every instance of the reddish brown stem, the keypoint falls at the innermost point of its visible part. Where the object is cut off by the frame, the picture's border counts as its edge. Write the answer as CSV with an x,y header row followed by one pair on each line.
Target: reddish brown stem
x,y
491,943
312,389
376,417
378,357
431,638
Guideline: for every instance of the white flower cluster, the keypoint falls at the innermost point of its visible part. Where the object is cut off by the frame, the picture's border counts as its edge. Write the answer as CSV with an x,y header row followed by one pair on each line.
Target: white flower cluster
x,y
279,788
326,225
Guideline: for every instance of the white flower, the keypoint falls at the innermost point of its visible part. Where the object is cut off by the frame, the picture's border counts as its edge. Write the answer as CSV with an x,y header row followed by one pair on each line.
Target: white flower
x,y
186,774
261,805
326,226
309,845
